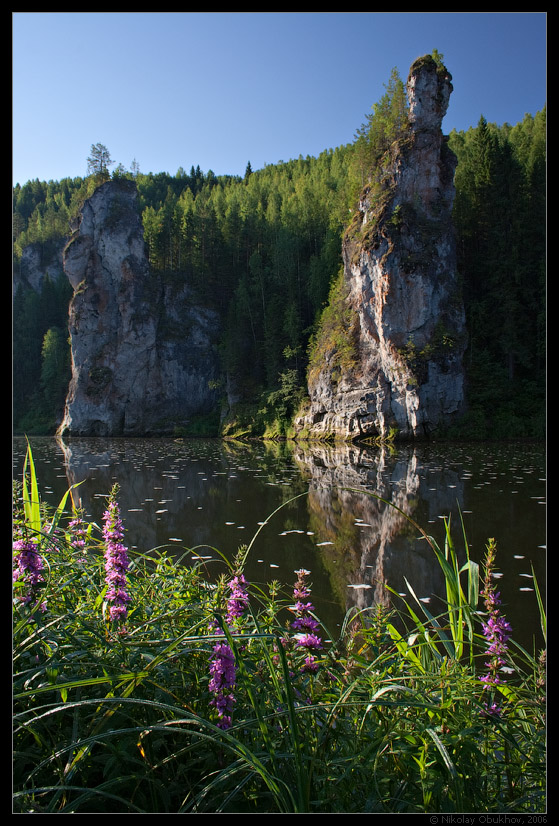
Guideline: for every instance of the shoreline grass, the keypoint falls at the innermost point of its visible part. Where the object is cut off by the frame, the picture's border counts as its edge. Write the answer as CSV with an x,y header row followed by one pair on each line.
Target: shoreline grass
x,y
170,693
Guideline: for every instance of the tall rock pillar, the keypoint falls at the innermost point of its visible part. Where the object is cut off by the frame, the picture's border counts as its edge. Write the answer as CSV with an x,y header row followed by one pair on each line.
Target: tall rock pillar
x,y
143,354
400,308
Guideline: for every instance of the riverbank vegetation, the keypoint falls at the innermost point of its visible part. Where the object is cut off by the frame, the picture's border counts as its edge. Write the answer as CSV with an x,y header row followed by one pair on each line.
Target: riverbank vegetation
x,y
144,684
264,250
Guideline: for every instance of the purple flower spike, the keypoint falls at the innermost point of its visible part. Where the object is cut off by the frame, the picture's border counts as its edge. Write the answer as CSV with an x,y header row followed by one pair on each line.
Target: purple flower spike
x,y
222,682
116,561
28,564
497,631
304,624
238,600
222,668
78,535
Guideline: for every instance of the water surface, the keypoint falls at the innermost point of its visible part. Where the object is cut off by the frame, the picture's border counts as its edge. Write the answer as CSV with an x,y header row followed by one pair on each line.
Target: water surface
x,y
318,507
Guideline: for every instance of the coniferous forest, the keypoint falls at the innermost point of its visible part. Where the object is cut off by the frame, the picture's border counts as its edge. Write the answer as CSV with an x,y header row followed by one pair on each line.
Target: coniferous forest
x,y
264,250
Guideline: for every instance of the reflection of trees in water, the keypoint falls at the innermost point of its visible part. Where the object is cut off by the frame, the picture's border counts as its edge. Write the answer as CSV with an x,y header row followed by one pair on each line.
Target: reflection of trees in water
x,y
184,489
98,463
372,543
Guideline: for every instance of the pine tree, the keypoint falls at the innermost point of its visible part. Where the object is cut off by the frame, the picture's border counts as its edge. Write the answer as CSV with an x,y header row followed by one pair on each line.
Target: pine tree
x,y
387,122
99,161
55,369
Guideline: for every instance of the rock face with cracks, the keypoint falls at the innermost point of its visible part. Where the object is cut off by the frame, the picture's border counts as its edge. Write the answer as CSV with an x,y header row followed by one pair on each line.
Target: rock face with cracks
x,y
395,366
144,359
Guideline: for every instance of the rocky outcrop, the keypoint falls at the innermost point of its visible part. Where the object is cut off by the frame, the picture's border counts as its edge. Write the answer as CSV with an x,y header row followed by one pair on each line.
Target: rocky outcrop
x,y
143,354
37,263
394,366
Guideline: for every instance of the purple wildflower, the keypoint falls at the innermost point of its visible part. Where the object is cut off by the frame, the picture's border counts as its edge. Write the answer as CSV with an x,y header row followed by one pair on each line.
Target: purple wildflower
x,y
496,630
222,669
304,624
222,682
238,600
116,560
310,665
28,564
310,641
78,534
492,710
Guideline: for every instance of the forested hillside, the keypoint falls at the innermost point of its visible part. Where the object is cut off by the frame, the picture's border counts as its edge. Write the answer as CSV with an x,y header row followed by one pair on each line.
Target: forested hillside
x,y
264,250
500,219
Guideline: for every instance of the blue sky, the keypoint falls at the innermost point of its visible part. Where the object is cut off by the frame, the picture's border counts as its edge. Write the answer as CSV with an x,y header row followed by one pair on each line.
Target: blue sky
x,y
218,89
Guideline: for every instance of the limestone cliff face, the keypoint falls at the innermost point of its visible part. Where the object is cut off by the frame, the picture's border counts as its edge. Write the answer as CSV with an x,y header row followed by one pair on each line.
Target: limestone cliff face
x,y
143,355
401,370
34,266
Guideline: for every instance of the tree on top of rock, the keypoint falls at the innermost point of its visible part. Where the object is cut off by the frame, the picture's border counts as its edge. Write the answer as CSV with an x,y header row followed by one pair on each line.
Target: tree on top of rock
x,y
99,161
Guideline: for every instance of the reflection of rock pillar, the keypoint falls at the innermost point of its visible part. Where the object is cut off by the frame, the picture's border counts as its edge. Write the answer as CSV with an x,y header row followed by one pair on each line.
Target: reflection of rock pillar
x,y
358,525
367,543
80,464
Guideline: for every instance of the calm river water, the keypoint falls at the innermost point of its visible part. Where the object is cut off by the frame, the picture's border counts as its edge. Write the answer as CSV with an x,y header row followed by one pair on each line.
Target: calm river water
x,y
195,496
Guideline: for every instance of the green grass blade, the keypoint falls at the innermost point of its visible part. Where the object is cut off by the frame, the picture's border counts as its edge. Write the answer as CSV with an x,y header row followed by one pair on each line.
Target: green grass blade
x,y
31,503
541,606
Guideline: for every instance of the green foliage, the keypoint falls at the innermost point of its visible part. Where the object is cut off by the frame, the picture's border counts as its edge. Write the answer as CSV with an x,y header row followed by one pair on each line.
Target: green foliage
x,y
500,216
392,720
55,369
335,340
386,123
99,161
41,355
